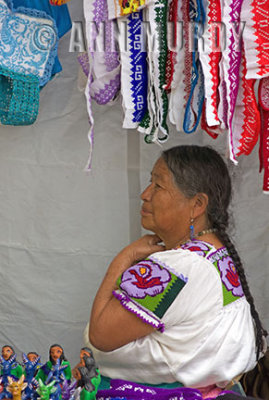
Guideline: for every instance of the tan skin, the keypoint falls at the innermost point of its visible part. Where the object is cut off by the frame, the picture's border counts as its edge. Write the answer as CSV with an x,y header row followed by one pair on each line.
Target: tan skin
x,y
7,352
55,353
167,212
32,357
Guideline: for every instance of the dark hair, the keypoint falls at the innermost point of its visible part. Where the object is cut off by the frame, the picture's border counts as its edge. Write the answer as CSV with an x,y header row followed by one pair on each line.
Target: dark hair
x,y
62,356
200,169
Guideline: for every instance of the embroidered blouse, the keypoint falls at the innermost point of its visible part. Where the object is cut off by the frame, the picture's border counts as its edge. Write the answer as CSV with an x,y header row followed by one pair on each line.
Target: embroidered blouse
x,y
204,329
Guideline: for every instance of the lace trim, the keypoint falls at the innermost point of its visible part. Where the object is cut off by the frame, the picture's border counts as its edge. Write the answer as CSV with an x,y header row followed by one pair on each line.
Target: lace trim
x,y
251,122
108,92
264,139
171,56
195,101
260,14
157,120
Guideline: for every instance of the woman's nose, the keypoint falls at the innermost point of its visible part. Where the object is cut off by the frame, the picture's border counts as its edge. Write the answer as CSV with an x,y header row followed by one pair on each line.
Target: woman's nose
x,y
146,194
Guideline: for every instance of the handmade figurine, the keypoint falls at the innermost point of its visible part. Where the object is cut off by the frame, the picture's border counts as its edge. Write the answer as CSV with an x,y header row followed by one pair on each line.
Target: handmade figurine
x,y
9,368
68,390
45,391
87,374
8,354
32,356
16,387
30,362
52,369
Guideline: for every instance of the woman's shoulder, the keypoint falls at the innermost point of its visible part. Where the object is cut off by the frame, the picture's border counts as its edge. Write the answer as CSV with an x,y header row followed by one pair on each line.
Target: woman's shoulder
x,y
192,253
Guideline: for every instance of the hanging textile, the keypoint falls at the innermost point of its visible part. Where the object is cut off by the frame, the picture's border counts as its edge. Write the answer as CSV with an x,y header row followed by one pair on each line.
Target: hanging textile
x,y
134,81
264,139
198,66
101,64
26,61
154,123
60,15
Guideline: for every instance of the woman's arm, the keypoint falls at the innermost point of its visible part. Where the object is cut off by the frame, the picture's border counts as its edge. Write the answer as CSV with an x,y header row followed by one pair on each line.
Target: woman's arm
x,y
111,325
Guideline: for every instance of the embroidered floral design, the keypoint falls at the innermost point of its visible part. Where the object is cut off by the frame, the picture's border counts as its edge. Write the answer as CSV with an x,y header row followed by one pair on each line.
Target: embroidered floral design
x,y
145,278
198,247
230,277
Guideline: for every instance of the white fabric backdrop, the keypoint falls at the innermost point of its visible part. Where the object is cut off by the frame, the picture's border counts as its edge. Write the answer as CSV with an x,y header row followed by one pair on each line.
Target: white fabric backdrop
x,y
60,226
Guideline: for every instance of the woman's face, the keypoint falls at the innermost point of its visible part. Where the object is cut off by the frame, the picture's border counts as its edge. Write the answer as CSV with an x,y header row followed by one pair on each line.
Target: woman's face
x,y
165,210
55,353
7,352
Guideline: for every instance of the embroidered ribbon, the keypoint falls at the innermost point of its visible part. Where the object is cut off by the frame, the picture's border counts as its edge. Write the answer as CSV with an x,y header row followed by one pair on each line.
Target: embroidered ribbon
x,y
154,123
263,94
133,70
172,39
195,101
210,55
231,61
246,121
178,87
255,13
104,68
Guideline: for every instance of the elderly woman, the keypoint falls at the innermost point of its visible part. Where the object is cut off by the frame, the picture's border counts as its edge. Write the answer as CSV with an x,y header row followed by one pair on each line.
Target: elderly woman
x,y
174,307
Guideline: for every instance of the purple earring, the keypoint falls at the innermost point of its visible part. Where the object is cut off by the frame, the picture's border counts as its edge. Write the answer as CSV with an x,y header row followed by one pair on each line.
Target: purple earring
x,y
192,236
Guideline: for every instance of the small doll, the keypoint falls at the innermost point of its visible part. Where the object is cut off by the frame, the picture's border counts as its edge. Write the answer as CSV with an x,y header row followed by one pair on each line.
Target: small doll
x,y
10,368
56,365
87,374
8,354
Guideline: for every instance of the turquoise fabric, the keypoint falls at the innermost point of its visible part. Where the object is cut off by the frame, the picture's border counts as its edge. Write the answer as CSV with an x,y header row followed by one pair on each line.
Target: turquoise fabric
x,y
105,384
19,98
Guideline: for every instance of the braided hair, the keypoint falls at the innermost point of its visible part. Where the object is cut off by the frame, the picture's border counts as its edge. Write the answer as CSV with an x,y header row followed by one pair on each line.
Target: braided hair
x,y
200,169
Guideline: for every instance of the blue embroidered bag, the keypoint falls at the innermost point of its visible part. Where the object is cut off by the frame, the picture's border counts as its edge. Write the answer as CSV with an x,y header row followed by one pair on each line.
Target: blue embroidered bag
x,y
28,46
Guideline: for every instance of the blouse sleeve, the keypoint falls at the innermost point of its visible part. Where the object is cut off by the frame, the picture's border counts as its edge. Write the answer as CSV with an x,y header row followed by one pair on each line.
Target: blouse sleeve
x,y
170,287
148,289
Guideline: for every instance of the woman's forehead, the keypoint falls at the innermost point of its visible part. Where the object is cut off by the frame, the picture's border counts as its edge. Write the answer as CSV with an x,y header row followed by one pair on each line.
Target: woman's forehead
x,y
161,170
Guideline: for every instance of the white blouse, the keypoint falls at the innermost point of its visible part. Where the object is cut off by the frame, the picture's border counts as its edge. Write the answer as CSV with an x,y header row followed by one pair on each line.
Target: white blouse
x,y
204,330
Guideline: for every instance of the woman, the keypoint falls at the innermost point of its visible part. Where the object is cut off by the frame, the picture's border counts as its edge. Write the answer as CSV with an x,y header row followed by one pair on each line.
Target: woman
x,y
174,307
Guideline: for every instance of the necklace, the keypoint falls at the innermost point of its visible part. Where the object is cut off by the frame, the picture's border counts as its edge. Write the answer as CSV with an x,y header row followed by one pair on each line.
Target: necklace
x,y
205,231
201,233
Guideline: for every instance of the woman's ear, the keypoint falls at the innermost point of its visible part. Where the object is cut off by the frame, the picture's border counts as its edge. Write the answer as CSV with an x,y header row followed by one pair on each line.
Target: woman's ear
x,y
200,203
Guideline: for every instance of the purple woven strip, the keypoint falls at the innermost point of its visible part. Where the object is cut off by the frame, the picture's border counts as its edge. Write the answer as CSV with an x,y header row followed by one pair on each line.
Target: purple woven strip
x,y
83,59
109,91
101,15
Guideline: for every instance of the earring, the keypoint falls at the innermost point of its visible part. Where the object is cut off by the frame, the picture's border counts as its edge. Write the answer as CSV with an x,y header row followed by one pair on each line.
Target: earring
x,y
192,236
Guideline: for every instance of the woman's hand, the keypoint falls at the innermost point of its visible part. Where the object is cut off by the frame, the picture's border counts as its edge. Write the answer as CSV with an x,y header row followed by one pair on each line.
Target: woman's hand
x,y
142,248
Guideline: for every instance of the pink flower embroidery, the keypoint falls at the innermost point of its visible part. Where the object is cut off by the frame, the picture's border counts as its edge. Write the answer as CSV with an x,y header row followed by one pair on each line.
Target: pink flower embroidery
x,y
197,246
145,278
229,276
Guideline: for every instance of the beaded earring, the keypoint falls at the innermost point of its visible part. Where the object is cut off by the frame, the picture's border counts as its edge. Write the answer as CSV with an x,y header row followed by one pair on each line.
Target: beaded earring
x,y
192,236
